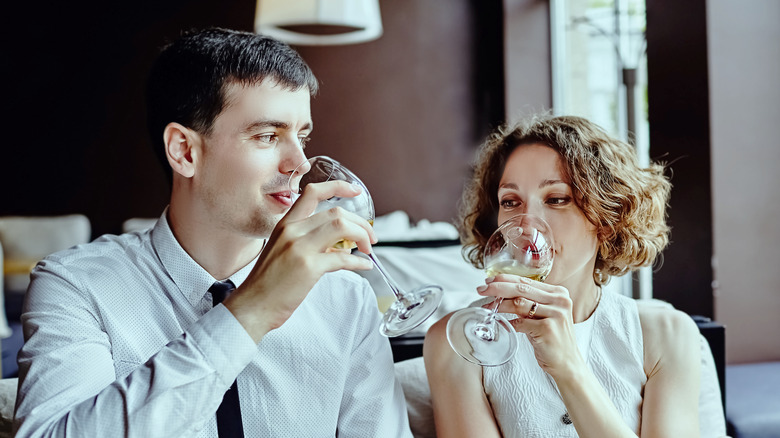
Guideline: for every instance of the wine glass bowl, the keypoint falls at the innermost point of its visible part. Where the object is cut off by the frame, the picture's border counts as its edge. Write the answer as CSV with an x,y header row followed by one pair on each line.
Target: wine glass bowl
x,y
522,246
323,169
410,308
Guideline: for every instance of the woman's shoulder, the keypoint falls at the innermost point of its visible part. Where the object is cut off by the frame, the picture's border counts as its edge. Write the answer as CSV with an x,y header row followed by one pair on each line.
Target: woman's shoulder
x,y
664,320
669,335
436,345
439,355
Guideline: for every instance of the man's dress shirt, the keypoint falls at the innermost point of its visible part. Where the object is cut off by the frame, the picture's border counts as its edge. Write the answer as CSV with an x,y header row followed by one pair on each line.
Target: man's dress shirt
x,y
121,340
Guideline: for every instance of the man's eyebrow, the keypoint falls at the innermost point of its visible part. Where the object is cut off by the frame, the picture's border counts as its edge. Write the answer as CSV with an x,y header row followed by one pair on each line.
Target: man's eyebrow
x,y
260,124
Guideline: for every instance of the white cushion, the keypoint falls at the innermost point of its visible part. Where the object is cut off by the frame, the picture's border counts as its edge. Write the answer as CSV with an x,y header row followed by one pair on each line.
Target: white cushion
x,y
27,239
5,330
138,224
7,401
412,267
414,381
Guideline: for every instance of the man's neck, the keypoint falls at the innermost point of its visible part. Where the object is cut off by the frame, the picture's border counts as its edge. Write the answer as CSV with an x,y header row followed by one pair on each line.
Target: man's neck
x,y
221,252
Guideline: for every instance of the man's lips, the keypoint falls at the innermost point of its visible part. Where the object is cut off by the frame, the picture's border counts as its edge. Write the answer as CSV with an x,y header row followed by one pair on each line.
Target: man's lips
x,y
284,198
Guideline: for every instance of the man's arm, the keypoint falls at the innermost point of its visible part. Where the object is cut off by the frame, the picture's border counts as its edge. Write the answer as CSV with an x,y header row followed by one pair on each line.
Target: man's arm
x,y
373,403
68,384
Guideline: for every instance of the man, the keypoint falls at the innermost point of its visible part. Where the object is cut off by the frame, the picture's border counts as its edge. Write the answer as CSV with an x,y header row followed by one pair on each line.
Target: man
x,y
126,336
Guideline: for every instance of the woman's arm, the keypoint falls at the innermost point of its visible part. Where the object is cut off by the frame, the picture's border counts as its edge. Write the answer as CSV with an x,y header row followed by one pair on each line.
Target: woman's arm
x,y
671,395
672,365
550,331
460,406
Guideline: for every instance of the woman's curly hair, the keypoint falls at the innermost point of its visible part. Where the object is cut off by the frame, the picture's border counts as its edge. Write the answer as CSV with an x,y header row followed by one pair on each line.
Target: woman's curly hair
x,y
626,203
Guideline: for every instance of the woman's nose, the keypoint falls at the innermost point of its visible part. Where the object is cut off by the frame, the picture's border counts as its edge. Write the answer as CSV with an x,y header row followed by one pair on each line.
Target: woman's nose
x,y
534,208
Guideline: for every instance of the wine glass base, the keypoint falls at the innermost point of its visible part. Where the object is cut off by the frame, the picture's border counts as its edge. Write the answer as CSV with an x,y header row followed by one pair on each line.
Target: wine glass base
x,y
404,316
487,344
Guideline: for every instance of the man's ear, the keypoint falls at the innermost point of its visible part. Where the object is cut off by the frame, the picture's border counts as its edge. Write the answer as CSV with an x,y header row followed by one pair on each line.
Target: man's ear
x,y
181,148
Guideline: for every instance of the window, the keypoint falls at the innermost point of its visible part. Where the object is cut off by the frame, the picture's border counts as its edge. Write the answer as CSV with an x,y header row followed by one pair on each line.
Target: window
x,y
600,73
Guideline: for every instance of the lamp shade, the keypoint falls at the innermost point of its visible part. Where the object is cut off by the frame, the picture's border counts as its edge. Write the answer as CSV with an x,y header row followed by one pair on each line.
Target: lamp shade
x,y
319,22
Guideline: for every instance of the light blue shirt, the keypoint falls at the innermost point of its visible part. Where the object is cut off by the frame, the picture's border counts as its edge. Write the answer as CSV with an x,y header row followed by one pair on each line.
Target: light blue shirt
x,y
121,340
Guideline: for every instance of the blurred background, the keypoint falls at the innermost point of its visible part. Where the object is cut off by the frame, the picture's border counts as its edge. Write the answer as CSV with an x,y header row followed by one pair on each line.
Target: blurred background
x,y
695,82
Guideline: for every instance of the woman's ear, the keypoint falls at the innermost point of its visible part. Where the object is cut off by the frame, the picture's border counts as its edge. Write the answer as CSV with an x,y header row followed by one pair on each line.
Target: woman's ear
x,y
180,148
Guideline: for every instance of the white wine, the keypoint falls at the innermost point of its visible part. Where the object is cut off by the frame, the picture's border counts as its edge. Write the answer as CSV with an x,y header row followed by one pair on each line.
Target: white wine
x,y
345,244
384,302
514,267
348,244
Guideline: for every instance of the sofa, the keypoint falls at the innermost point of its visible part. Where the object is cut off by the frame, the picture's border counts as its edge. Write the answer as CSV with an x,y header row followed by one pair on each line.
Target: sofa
x,y
434,256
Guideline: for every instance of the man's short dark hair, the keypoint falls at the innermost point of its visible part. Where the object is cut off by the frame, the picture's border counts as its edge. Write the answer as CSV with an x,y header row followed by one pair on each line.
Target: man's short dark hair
x,y
188,81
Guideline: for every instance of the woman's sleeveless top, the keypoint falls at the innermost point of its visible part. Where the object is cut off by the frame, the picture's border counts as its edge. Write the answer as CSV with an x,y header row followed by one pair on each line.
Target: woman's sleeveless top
x,y
524,398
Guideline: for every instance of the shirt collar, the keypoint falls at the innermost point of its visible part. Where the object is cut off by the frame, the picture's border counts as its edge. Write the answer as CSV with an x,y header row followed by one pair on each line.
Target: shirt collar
x,y
192,280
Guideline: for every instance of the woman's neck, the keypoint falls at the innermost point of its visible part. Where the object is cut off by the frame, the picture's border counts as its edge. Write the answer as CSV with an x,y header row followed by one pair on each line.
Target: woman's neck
x,y
585,300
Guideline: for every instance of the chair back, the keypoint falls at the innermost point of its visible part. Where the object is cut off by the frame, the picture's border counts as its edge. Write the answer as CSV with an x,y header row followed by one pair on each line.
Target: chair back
x,y
138,224
28,239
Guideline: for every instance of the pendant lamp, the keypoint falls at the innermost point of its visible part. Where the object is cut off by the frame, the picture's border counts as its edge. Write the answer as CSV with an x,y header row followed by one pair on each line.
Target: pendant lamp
x,y
319,22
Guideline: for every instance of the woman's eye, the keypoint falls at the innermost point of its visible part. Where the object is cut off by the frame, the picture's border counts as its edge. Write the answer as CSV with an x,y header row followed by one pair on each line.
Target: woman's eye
x,y
304,141
555,200
508,203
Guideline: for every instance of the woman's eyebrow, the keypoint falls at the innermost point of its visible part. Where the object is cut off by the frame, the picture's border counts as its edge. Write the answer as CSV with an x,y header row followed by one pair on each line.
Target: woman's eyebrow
x,y
551,182
545,183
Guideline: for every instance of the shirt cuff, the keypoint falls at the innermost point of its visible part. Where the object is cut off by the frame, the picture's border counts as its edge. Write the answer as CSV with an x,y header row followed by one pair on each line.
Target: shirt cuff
x,y
224,342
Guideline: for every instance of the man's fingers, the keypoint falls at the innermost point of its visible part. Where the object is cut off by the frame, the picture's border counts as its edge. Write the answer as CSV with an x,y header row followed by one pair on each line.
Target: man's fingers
x,y
338,225
334,261
315,193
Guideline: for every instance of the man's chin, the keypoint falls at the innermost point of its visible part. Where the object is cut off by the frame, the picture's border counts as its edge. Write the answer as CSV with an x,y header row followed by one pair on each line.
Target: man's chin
x,y
263,224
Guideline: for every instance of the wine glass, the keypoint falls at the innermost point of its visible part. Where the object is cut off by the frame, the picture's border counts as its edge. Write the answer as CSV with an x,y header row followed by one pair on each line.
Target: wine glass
x,y
410,308
523,245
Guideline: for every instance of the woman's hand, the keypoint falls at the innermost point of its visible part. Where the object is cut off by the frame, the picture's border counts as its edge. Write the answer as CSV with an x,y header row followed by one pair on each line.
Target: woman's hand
x,y
544,314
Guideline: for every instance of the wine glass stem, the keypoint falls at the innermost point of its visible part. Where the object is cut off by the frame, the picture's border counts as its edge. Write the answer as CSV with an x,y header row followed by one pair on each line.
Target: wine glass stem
x,y
497,302
492,316
397,291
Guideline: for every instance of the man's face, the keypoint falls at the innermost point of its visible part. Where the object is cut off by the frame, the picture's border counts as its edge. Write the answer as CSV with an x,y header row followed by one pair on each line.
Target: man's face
x,y
242,174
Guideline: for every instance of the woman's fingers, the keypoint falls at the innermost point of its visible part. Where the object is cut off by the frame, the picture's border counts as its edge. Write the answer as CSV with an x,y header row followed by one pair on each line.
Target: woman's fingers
x,y
526,308
510,287
528,298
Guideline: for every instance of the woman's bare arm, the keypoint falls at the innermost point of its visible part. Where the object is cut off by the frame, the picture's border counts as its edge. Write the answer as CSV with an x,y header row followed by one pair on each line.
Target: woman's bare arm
x,y
460,407
673,366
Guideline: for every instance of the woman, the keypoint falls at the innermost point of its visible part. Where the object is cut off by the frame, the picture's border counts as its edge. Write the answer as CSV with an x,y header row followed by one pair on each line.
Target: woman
x,y
590,364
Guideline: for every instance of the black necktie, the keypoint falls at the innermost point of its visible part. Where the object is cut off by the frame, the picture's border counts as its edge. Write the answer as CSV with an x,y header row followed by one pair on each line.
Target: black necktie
x,y
229,413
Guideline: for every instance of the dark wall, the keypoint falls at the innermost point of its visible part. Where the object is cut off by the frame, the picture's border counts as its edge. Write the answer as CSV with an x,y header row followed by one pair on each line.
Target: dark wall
x,y
528,57
678,96
405,111
76,139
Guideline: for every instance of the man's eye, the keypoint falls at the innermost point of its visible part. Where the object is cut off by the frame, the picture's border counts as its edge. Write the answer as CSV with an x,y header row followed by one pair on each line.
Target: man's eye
x,y
304,141
267,138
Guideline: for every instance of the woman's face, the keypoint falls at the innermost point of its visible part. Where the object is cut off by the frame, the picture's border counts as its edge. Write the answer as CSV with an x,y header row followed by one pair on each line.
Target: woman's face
x,y
534,182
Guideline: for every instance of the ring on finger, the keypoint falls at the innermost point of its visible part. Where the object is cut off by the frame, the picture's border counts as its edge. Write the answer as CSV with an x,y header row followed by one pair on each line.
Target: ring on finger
x,y
532,312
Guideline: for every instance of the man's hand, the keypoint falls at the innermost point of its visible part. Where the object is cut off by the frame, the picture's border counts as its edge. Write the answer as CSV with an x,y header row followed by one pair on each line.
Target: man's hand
x,y
296,256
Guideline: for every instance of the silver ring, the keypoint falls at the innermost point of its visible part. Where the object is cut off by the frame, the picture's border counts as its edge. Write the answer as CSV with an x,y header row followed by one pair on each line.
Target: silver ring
x,y
532,312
